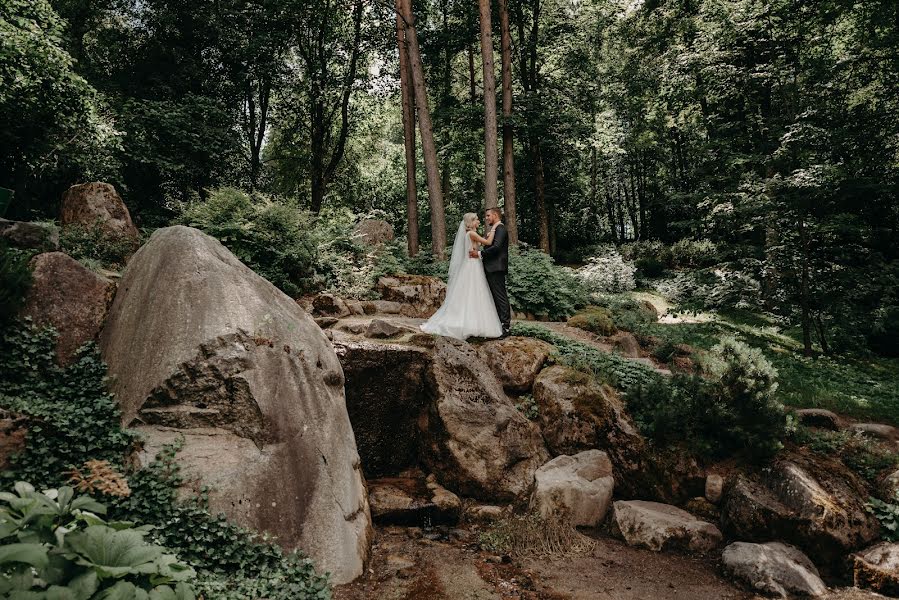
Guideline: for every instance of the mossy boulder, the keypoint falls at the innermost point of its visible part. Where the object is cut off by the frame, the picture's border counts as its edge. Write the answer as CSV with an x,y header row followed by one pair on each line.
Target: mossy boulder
x,y
594,319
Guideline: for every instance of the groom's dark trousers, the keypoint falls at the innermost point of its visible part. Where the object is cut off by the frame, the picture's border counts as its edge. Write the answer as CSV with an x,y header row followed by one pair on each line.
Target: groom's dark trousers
x,y
495,258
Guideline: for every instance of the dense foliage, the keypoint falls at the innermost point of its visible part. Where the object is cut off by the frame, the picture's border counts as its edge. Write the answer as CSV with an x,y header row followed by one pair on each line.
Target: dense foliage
x,y
54,544
15,280
536,285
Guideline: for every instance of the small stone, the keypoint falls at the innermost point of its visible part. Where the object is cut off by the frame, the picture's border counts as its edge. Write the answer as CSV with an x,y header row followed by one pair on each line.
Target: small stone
x,y
380,329
329,305
354,328
483,513
326,322
714,486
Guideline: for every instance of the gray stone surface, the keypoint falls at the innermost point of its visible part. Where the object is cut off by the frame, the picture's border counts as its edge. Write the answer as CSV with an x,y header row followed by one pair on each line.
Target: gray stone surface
x,y
23,234
578,488
773,569
201,346
663,527
877,568
372,232
516,361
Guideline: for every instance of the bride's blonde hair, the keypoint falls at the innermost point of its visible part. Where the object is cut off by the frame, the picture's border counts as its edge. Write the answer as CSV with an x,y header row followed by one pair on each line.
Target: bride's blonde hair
x,y
469,219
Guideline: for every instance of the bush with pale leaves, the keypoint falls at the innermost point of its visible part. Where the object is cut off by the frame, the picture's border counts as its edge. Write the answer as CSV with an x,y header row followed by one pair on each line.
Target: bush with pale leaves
x,y
608,272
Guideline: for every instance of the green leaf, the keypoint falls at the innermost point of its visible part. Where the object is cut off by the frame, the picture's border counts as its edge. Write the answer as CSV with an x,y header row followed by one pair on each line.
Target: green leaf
x,y
31,554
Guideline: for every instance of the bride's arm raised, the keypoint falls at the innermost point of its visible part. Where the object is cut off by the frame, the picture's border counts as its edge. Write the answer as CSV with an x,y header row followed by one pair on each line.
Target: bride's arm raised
x,y
484,241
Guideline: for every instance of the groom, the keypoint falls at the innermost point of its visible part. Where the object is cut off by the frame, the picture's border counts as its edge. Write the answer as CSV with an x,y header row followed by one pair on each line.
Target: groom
x,y
496,263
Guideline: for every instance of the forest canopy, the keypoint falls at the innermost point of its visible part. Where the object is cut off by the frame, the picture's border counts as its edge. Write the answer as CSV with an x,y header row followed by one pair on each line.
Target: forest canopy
x,y
767,130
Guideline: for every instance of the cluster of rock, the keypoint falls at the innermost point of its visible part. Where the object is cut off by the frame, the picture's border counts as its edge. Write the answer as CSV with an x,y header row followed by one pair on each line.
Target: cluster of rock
x,y
285,417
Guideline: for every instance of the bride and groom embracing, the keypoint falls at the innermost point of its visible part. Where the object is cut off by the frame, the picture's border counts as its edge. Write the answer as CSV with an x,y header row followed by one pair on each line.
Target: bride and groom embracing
x,y
476,303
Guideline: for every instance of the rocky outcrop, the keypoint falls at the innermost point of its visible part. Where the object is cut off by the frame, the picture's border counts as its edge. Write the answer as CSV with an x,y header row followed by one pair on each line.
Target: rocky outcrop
x,y
69,297
877,568
97,204
662,527
816,505
413,501
416,295
329,305
577,488
372,232
774,569
201,346
476,442
818,417
888,489
380,329
626,344
516,361
30,235
577,413
876,430
386,397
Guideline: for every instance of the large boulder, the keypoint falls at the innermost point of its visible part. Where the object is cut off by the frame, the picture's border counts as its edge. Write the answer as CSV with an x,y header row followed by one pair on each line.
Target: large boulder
x,y
417,295
97,204
578,488
39,236
202,347
475,441
662,527
516,361
69,297
774,569
577,413
386,396
877,568
372,232
814,503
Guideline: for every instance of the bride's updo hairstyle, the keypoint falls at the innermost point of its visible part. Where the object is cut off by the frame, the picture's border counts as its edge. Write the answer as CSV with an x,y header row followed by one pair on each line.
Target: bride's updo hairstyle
x,y
469,219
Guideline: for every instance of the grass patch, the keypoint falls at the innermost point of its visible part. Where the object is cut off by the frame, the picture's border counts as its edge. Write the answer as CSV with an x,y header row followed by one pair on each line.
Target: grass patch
x,y
534,535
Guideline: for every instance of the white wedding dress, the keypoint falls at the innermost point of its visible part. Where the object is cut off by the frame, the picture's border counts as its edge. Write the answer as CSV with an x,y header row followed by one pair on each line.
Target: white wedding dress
x,y
468,310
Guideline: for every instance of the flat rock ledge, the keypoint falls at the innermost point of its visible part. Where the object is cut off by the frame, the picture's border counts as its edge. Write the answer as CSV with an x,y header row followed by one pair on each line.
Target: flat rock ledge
x,y
773,569
660,527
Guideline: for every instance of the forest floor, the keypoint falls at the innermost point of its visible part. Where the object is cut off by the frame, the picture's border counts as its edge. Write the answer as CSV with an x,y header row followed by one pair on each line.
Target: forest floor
x,y
409,563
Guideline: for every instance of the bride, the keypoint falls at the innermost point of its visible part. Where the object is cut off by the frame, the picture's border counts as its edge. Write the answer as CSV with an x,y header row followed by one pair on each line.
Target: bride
x,y
468,309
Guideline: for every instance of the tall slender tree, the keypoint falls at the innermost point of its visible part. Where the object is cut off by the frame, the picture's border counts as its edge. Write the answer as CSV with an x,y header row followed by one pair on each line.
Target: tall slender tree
x,y
408,104
428,147
490,126
508,145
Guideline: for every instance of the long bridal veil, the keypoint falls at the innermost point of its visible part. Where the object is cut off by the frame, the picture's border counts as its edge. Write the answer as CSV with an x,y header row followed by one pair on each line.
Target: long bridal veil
x,y
468,309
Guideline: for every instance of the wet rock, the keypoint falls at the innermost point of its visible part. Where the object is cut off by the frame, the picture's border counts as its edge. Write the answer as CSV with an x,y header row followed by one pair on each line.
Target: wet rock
x,y
817,505
476,442
714,487
216,354
411,501
38,236
329,305
577,488
818,417
662,527
416,295
380,329
516,361
877,568
774,569
97,205
386,396
67,296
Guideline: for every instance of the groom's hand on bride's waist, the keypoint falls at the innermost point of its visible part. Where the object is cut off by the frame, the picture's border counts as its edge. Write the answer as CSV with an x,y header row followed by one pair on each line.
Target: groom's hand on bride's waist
x,y
473,253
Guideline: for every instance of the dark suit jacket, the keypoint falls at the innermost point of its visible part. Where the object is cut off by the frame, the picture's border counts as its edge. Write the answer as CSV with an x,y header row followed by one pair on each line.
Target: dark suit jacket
x,y
496,256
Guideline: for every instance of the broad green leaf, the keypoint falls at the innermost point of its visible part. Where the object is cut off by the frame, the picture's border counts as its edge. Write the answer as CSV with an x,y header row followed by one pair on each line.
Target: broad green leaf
x,y
31,554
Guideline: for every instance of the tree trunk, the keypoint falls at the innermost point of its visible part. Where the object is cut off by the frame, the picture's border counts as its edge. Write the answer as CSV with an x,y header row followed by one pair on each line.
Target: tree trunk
x,y
472,91
508,145
429,149
804,290
409,138
490,126
540,189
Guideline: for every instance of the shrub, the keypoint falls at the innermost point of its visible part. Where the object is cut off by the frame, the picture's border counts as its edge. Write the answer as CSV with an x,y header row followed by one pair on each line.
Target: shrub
x,y
594,319
866,457
532,534
649,268
884,337
689,253
15,280
274,237
646,250
732,412
538,286
54,545
712,289
94,245
608,272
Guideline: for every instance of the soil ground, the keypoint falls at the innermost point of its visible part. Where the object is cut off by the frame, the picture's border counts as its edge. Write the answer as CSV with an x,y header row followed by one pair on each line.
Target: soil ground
x,y
411,564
